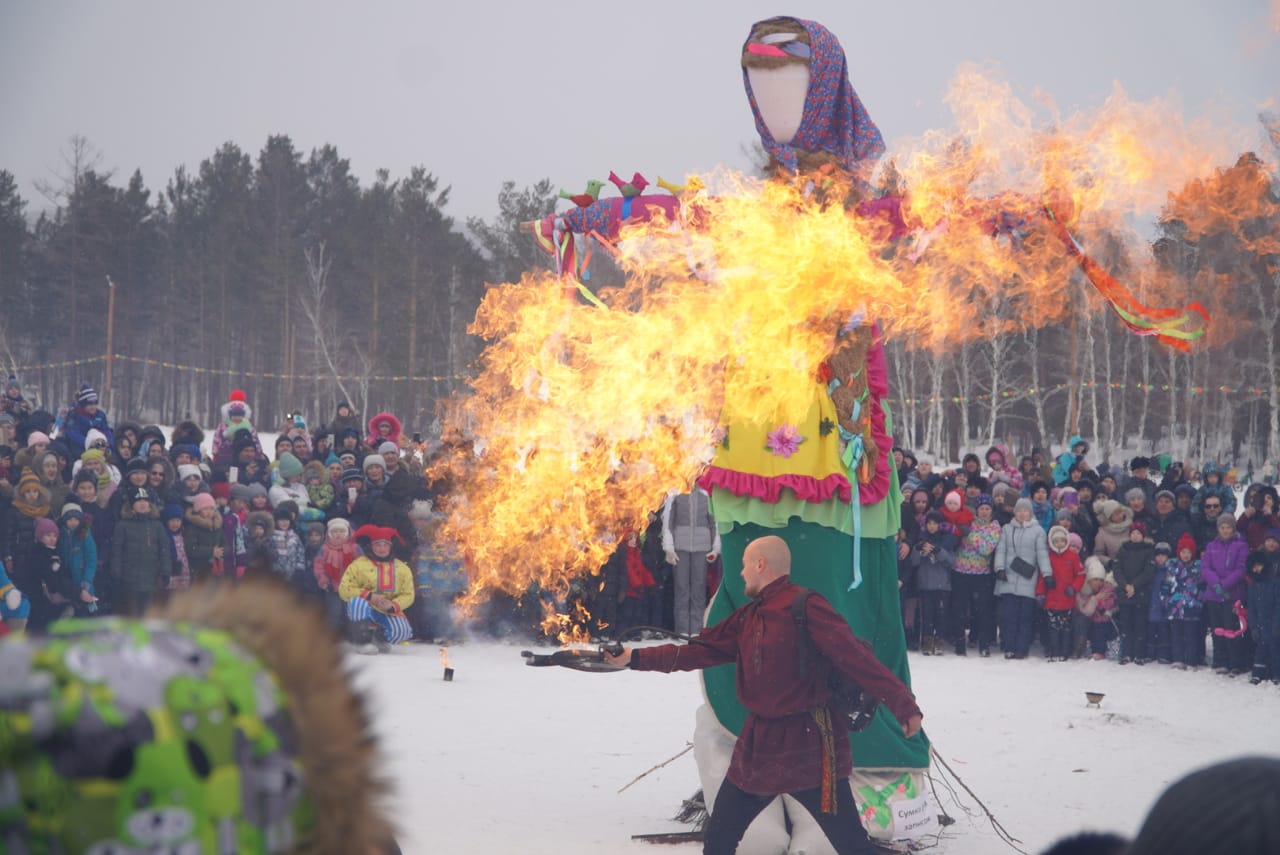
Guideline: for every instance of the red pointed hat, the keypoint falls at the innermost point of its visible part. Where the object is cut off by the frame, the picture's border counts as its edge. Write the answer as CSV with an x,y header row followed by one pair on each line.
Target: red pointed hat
x,y
237,395
378,532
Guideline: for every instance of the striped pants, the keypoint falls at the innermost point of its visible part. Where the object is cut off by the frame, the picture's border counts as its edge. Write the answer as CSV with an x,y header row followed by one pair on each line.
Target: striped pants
x,y
395,628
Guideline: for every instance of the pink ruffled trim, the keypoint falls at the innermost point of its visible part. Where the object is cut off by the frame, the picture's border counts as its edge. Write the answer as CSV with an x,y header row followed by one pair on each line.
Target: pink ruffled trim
x,y
769,489
878,384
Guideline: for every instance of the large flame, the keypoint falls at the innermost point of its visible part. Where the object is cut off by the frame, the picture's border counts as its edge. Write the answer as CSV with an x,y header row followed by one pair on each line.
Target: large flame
x,y
588,416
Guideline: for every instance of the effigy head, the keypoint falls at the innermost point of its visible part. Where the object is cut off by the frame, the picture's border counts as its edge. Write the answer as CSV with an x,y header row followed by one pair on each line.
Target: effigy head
x,y
797,82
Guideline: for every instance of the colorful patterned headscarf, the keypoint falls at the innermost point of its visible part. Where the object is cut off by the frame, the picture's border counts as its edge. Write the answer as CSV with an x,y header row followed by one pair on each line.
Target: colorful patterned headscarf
x,y
834,119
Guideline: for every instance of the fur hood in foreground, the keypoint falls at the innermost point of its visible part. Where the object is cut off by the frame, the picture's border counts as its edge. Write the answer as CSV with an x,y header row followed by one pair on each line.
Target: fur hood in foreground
x,y
250,686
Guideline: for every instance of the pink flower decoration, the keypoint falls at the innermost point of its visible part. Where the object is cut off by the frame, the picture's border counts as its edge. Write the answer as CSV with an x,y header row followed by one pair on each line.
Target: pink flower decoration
x,y
784,441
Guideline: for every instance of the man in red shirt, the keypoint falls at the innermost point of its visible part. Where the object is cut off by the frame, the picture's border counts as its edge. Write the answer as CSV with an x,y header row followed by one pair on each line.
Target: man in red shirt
x,y
790,742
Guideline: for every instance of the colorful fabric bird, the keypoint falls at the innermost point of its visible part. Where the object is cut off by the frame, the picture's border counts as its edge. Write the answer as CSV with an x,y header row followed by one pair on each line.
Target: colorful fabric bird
x,y
631,188
585,198
693,185
834,119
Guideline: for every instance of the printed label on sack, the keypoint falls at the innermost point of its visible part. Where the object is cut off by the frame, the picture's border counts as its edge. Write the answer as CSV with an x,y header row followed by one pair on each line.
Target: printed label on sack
x,y
913,818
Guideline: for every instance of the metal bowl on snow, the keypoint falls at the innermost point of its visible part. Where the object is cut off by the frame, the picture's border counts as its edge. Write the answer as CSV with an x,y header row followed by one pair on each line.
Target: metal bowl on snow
x,y
1094,699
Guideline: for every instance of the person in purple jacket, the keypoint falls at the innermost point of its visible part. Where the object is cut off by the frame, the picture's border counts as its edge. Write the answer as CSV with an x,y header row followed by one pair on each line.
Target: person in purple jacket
x,y
1223,569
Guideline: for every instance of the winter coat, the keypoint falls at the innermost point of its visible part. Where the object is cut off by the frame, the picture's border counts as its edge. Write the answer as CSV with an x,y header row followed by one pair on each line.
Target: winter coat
x,y
296,493
687,524
1005,472
1184,588
1068,579
1067,459
79,554
235,553
224,436
332,562
1223,567
200,536
1264,596
974,555
1111,536
77,426
933,571
1134,566
391,578
141,558
20,538
1171,528
1254,527
51,579
1161,608
1097,606
1029,542
375,437
290,559
780,748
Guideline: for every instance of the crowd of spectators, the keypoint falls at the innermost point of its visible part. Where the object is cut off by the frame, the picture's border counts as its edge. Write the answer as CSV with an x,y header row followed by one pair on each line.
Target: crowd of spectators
x,y
1149,564
99,518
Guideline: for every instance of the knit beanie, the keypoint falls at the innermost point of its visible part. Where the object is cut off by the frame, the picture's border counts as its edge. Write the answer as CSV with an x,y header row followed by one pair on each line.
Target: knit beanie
x,y
985,499
28,480
1163,548
1023,504
1094,568
1074,541
339,523
1187,542
1070,498
1137,526
388,447
202,501
289,466
331,459
374,460
171,511
1272,534
137,464
241,491
1135,493
219,489
86,395
44,526
1225,520
93,435
36,437
189,470
352,474
71,509
93,454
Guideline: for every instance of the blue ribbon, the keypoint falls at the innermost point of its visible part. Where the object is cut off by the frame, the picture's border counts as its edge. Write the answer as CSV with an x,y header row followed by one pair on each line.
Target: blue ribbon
x,y
852,453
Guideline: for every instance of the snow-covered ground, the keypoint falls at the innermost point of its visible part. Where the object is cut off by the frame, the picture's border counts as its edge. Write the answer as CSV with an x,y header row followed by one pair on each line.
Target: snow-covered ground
x,y
508,758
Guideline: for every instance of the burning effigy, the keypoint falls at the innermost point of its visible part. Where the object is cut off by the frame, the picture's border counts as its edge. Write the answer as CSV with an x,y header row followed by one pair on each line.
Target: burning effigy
x,y
743,352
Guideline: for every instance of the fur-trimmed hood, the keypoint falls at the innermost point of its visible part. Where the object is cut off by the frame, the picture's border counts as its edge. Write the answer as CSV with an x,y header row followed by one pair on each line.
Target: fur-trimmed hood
x,y
253,688
187,433
376,438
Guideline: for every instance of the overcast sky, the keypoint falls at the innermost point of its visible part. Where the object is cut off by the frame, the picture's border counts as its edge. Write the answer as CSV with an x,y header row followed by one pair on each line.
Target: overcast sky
x,y
483,91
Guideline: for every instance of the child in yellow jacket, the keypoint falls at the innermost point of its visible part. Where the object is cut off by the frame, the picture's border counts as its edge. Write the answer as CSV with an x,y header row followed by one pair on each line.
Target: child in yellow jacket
x,y
377,589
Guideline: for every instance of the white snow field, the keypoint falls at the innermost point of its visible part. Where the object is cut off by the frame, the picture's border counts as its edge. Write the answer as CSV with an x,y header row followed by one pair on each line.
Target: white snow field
x,y
513,759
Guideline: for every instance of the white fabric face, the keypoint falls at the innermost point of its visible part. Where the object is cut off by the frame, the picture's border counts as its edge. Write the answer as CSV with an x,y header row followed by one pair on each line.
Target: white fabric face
x,y
780,94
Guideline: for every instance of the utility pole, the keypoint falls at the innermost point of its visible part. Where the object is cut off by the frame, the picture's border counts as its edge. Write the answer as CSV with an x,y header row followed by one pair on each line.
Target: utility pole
x,y
111,345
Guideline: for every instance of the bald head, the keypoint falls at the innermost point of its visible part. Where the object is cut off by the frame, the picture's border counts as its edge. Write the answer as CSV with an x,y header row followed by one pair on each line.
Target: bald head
x,y
764,560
